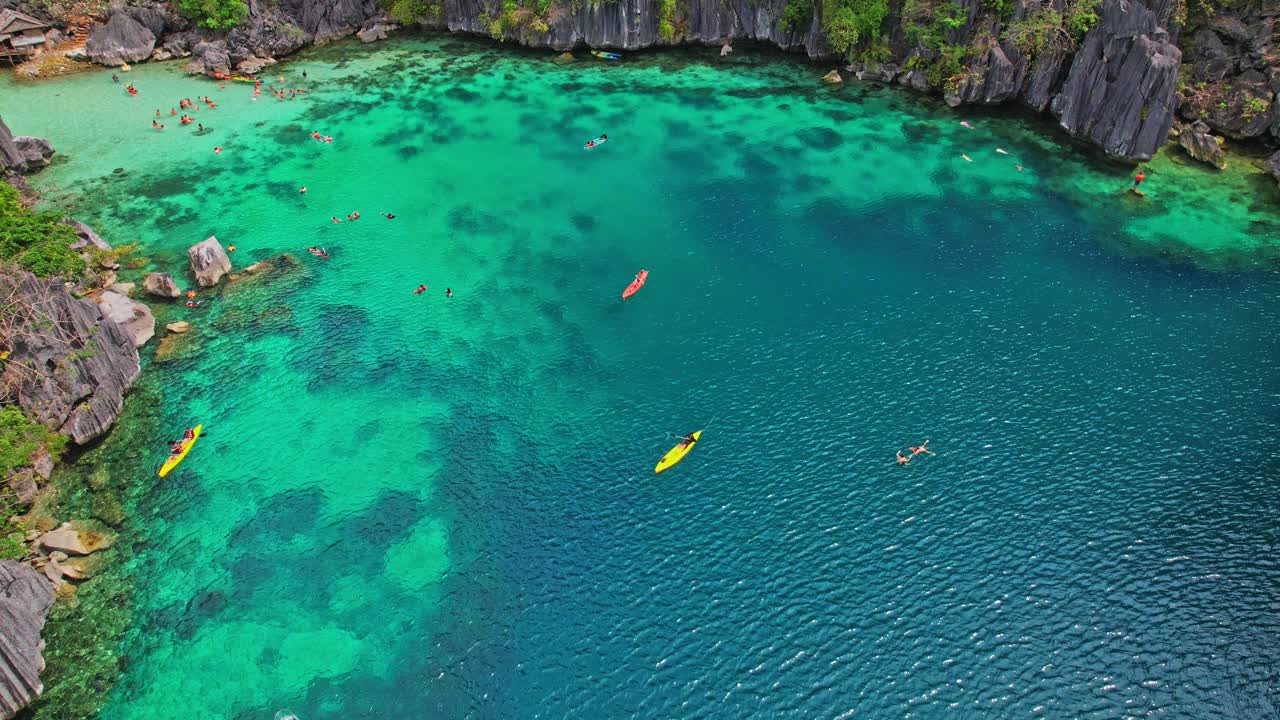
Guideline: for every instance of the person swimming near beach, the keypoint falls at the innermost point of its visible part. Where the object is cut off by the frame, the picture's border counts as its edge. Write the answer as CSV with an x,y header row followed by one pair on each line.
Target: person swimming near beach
x,y
156,125
335,219
302,190
1019,167
388,216
157,112
923,448
448,292
327,139
115,78
316,135
217,151
420,289
200,127
965,123
231,248
902,459
966,157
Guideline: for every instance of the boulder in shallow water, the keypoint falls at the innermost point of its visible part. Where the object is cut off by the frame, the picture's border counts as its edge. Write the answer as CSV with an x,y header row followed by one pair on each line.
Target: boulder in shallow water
x,y
25,598
36,151
373,33
1202,145
832,77
209,261
178,327
122,40
73,542
133,317
160,285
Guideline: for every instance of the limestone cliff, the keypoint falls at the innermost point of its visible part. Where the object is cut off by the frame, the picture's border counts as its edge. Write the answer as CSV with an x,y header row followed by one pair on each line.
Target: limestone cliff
x,y
68,366
25,597
1113,73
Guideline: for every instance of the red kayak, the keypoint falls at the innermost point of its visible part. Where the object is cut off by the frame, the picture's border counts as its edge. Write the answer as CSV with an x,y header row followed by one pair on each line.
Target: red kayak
x,y
636,284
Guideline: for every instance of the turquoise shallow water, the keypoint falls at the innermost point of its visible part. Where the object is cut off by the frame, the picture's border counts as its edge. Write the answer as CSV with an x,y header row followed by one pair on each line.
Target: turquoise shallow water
x,y
414,506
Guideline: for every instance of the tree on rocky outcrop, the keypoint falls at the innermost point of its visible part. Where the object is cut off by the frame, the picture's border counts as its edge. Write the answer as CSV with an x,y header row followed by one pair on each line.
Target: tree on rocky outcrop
x,y
214,14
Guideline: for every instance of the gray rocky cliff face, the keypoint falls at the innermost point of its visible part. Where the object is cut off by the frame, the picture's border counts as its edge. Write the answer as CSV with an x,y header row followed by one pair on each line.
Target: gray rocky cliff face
x,y
1120,91
122,40
70,367
25,598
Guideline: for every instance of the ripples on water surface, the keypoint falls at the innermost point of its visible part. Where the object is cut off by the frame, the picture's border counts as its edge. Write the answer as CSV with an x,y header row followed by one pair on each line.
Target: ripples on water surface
x,y
418,507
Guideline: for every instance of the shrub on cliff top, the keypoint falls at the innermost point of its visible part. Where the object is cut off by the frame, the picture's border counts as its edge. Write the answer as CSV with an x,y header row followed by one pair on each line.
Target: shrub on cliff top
x,y
214,14
36,241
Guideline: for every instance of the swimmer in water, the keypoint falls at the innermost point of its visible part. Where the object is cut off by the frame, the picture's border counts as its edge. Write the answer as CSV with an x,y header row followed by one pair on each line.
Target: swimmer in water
x,y
1002,151
388,216
335,219
966,124
316,135
302,190
421,289
923,448
217,151
157,112
231,248
966,157
448,292
902,459
1019,167
200,127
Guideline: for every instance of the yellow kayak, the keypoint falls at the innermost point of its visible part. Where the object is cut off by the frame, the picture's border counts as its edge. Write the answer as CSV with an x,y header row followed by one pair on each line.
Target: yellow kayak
x,y
676,454
174,460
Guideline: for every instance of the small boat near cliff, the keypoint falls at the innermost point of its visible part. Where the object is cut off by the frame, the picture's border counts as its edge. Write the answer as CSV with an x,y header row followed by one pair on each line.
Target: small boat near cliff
x,y
176,458
611,56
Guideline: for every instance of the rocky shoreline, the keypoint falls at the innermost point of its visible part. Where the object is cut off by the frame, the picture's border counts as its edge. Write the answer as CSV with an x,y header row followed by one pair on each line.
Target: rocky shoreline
x,y
1142,75
69,355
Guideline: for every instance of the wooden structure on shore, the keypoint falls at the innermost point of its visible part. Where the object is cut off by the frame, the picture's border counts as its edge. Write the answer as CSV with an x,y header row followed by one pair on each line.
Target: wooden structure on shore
x,y
20,36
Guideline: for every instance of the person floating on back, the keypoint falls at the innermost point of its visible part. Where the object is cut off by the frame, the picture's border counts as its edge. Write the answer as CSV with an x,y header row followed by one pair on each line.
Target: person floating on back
x,y
923,448
421,289
902,459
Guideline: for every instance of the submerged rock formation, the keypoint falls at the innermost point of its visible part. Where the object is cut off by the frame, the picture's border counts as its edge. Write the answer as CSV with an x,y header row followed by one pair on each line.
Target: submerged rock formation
x,y
69,366
209,261
25,598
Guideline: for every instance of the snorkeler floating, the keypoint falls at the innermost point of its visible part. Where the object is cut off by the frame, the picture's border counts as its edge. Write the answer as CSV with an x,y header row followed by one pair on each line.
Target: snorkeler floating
x,y
604,137
921,449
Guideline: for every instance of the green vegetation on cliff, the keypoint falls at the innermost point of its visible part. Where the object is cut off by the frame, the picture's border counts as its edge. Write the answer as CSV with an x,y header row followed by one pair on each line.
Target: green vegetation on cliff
x,y
411,12
214,14
20,438
36,241
1047,30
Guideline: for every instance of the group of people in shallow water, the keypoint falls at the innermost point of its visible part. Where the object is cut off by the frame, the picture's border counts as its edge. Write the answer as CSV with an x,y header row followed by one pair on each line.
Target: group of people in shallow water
x,y
921,449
